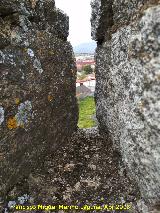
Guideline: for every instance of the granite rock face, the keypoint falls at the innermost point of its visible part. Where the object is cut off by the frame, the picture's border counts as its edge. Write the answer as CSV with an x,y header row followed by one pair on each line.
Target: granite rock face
x,y
44,159
128,86
38,109
86,172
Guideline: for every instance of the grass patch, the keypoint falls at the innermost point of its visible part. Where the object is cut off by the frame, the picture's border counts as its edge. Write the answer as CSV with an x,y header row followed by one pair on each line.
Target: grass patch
x,y
86,111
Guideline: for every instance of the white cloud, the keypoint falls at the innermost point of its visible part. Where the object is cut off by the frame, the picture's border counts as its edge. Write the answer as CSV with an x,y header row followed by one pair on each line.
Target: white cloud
x,y
79,12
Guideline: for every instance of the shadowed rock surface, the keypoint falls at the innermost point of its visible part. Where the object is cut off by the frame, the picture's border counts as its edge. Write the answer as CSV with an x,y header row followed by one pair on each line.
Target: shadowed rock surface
x,y
38,109
87,171
128,86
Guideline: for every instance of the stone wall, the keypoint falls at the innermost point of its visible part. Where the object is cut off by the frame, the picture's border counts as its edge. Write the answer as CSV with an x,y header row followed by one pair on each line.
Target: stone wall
x,y
128,86
44,159
38,109
86,172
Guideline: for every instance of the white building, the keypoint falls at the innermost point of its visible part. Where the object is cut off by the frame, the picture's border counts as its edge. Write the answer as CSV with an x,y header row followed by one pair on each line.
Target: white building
x,y
89,82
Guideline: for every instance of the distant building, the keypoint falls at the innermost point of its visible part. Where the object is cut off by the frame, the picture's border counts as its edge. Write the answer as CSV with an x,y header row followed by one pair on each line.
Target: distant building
x,y
81,63
84,56
89,82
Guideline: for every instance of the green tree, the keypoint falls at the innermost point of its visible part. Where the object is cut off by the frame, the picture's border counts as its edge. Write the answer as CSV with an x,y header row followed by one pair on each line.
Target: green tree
x,y
82,76
88,69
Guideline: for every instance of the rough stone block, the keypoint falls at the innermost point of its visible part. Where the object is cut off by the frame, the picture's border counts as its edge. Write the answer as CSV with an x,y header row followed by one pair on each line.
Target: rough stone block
x,y
128,92
38,109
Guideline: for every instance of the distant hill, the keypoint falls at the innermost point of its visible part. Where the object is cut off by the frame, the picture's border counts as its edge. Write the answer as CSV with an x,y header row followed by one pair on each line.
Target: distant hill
x,y
85,48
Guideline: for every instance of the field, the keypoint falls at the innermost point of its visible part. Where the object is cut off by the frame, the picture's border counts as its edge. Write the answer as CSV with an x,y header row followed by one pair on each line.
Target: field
x,y
86,112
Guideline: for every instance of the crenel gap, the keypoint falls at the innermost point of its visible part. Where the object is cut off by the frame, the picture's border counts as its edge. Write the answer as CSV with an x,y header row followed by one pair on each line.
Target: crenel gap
x,y
80,37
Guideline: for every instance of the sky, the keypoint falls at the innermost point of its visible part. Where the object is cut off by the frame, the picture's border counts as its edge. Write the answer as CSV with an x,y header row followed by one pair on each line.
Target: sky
x,y
79,13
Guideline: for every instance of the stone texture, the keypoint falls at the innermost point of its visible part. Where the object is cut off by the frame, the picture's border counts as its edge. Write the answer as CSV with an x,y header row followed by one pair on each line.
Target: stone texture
x,y
42,160
88,171
128,89
102,18
38,109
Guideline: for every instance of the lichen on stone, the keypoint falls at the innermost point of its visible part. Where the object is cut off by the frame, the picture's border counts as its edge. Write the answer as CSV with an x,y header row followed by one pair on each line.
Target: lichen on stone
x,y
2,57
127,87
1,115
12,123
36,42
11,204
50,98
24,198
24,113
30,52
37,65
17,101
21,200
